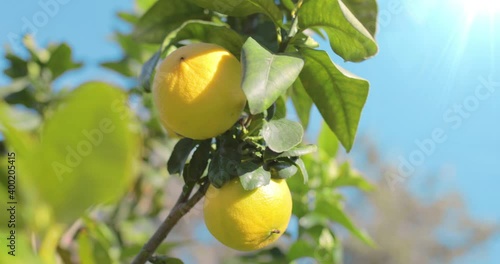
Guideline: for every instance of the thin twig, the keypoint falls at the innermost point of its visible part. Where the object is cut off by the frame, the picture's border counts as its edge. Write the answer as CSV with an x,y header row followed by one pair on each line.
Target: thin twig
x,y
181,208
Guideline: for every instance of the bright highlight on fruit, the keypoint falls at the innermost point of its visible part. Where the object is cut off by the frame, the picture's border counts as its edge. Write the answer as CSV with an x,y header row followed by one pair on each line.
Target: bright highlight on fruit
x,y
197,91
248,220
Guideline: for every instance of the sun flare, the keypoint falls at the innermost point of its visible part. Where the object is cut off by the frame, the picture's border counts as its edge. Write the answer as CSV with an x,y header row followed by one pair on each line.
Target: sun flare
x,y
481,7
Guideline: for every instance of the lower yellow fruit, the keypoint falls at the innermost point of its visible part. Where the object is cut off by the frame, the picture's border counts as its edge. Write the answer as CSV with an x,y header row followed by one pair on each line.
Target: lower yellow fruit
x,y
197,91
248,220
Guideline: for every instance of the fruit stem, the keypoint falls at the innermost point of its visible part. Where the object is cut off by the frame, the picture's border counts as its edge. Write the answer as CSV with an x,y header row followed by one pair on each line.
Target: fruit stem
x,y
293,29
181,208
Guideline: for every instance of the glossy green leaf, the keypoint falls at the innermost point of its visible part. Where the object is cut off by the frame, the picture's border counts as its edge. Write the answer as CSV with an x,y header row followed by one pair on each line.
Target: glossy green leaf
x,y
302,40
180,155
294,152
269,113
220,169
301,101
198,162
88,153
348,177
366,12
163,17
302,169
280,108
266,76
348,38
208,32
339,95
327,141
288,4
282,135
61,61
148,71
243,7
282,169
255,179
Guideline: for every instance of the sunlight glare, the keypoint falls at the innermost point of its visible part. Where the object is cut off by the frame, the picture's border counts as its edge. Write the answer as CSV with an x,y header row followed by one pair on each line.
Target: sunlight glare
x,y
481,7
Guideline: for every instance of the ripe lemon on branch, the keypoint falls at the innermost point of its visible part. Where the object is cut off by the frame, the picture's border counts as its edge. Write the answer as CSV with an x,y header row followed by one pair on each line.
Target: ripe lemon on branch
x,y
197,91
248,220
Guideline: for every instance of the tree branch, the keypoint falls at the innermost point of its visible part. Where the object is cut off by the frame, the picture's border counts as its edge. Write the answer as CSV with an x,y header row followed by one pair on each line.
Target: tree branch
x,y
182,206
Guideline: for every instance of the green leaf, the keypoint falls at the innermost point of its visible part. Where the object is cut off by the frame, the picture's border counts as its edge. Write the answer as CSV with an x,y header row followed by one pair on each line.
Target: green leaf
x,y
332,208
280,108
366,12
24,97
339,95
221,169
18,67
130,46
255,179
348,177
266,76
282,169
60,61
131,18
348,38
288,4
145,4
180,154
208,32
243,8
302,40
199,162
282,135
302,168
294,152
301,101
90,143
15,86
120,67
327,141
85,248
300,249
148,70
163,17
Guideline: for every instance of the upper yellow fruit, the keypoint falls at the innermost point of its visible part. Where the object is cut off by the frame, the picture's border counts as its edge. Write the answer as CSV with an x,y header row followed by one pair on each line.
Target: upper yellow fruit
x,y
248,220
197,90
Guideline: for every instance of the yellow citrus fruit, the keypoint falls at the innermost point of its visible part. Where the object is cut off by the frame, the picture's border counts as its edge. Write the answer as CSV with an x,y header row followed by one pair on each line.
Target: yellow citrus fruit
x,y
248,220
197,91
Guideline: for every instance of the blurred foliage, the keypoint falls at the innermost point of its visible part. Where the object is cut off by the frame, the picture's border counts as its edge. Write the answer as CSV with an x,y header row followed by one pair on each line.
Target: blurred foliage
x,y
95,188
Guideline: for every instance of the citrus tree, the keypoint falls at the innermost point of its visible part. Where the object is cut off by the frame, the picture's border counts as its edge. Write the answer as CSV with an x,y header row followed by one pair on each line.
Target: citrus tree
x,y
219,76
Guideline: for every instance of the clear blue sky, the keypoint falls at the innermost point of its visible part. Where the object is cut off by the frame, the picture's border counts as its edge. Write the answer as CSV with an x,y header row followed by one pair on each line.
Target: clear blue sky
x,y
432,57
